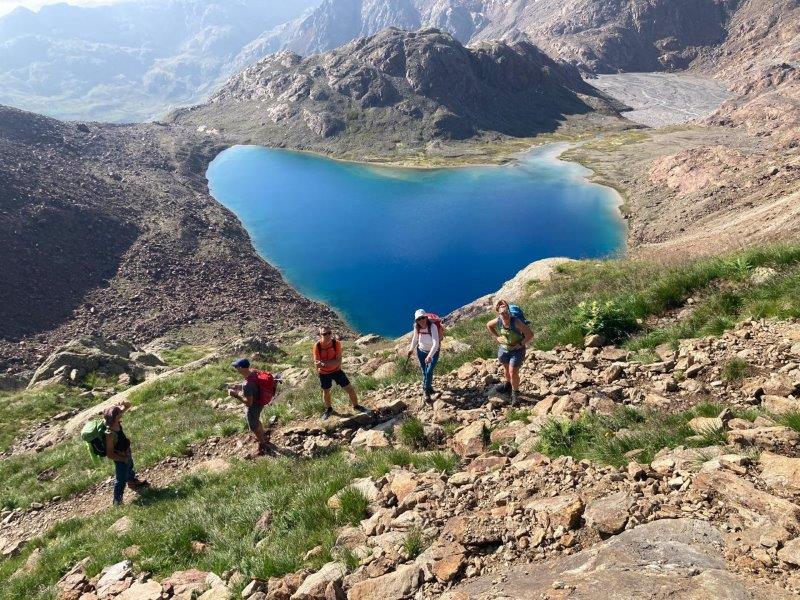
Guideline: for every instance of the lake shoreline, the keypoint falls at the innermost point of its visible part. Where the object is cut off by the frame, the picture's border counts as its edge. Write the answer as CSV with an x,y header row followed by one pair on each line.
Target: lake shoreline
x,y
541,161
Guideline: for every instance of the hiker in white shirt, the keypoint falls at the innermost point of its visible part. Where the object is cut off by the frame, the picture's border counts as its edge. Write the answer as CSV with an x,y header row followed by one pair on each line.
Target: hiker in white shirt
x,y
426,340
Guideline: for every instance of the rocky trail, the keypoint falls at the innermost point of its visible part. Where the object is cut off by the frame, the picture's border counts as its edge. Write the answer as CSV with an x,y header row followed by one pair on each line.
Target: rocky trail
x,y
718,520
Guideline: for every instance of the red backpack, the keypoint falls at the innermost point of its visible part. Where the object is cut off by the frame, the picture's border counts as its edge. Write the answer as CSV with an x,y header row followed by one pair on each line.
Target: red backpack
x,y
267,385
436,320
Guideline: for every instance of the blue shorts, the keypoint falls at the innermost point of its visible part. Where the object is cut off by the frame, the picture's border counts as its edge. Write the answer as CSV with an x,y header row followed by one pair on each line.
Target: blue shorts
x,y
514,358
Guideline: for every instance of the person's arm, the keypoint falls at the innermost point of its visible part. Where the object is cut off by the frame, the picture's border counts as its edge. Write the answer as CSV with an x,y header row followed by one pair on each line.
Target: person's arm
x,y
435,344
526,331
111,452
492,327
414,341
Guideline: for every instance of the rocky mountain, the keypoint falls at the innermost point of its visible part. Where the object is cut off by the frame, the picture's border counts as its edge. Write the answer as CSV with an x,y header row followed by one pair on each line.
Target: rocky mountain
x,y
399,89
597,35
129,61
111,229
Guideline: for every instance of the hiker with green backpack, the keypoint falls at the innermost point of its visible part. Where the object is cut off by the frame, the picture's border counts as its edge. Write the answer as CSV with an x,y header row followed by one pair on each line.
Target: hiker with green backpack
x,y
106,438
511,331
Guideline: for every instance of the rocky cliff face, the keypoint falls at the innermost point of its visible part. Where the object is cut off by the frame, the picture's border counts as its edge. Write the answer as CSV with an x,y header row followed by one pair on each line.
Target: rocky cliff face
x,y
111,229
597,35
398,88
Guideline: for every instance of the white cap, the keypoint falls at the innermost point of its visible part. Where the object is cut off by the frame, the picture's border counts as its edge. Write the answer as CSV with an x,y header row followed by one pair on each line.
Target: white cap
x,y
420,313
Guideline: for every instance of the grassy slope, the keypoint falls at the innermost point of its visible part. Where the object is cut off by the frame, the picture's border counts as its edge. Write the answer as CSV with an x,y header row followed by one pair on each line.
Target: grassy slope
x,y
220,510
170,414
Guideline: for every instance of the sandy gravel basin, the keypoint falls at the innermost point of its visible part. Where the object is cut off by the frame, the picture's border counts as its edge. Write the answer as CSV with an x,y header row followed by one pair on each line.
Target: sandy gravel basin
x,y
659,99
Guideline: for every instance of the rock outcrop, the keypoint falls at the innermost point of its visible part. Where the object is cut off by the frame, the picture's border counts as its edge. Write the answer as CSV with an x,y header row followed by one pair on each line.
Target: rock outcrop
x,y
398,89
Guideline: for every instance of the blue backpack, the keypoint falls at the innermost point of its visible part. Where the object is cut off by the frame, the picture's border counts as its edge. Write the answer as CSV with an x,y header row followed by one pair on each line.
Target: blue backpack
x,y
517,313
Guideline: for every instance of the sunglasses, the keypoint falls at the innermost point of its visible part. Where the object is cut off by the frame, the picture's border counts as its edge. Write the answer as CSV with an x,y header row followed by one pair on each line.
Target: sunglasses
x,y
324,333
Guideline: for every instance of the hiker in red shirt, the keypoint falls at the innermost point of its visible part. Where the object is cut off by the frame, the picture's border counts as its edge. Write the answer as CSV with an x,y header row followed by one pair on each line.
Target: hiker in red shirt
x,y
250,393
328,360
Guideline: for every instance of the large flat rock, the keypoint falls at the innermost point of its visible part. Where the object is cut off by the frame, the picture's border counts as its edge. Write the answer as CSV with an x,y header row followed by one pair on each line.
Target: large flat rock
x,y
678,558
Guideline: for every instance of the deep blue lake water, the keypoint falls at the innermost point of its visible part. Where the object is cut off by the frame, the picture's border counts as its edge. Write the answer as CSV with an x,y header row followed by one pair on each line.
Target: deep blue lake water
x,y
377,243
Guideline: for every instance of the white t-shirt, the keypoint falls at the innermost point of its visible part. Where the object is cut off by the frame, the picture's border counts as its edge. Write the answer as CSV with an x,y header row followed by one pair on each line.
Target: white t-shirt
x,y
426,340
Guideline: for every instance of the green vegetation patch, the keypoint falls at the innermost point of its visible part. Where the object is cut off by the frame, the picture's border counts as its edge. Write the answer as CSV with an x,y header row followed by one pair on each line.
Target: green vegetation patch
x,y
607,439
616,298
220,510
19,411
168,416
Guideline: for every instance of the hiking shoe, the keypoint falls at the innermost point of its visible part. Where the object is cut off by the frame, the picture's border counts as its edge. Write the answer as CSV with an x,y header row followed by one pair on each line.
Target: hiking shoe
x,y
505,388
427,395
327,414
137,484
360,409
514,397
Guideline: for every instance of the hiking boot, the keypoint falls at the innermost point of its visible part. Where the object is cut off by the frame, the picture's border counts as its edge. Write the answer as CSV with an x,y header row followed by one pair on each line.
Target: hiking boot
x,y
360,409
137,484
327,414
427,395
514,397
505,388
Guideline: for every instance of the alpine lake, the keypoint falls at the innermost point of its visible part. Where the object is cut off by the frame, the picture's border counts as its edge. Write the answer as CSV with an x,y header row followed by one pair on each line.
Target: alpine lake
x,y
376,243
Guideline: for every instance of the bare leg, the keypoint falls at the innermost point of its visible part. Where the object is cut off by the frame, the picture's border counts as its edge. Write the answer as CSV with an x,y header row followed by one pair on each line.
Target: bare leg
x,y
507,369
514,378
351,391
326,398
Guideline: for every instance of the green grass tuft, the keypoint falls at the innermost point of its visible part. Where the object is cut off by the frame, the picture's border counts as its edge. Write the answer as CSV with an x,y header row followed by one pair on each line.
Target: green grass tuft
x,y
411,433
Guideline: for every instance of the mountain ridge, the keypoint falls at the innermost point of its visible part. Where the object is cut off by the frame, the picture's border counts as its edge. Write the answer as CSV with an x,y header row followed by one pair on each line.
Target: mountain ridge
x,y
399,89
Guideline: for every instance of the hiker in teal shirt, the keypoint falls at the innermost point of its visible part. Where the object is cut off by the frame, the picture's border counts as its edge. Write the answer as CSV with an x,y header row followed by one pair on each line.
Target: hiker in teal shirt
x,y
513,334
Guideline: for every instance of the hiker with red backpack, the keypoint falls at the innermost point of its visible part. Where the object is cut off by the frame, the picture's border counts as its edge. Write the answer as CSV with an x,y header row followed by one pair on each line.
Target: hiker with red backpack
x,y
426,340
511,331
327,354
255,392
118,449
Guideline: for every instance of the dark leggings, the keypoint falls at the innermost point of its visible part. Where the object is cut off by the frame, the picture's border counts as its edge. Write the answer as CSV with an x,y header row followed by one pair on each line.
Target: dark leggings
x,y
124,473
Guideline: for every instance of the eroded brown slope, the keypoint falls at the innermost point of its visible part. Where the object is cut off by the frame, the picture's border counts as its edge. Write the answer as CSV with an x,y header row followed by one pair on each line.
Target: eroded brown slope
x,y
111,229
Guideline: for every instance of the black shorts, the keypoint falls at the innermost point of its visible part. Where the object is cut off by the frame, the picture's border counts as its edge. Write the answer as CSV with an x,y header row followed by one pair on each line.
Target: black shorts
x,y
326,379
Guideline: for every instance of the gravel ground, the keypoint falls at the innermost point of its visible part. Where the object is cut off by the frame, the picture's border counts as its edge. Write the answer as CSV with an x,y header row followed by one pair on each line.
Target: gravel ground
x,y
659,99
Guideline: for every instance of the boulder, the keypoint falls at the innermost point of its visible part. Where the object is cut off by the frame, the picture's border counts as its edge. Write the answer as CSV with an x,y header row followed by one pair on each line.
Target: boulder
x,y
670,558
397,585
364,485
112,579
754,507
402,484
366,340
703,425
780,472
149,590
790,553
186,585
779,404
471,440
370,439
313,586
78,358
608,515
559,511
385,371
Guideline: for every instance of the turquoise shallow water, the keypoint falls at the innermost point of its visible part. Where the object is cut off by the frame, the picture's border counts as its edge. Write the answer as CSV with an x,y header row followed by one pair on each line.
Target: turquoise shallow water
x,y
376,243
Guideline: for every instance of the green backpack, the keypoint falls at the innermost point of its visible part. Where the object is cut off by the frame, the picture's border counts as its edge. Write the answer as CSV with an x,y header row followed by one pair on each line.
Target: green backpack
x,y
94,434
